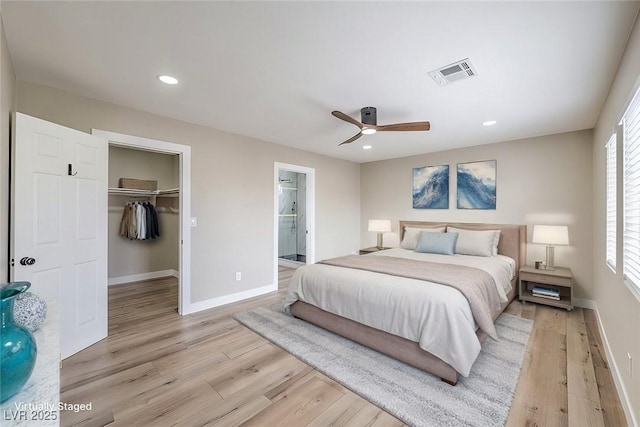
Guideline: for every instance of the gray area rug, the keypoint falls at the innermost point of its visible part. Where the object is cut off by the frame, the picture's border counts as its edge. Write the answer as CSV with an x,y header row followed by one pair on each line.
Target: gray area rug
x,y
412,395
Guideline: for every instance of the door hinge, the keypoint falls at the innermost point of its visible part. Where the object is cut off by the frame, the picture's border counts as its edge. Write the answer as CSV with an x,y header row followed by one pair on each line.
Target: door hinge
x,y
13,262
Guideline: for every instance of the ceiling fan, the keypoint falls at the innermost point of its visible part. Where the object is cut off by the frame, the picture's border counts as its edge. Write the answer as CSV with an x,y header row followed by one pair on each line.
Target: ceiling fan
x,y
369,124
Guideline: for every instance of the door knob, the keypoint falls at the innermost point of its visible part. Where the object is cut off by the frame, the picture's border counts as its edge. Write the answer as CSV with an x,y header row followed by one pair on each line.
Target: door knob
x,y
27,261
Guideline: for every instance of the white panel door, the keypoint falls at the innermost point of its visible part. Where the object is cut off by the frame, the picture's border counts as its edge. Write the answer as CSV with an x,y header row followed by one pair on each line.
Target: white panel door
x,y
59,226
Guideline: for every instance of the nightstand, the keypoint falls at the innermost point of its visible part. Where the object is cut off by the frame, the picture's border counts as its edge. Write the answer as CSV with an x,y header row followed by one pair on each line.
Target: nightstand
x,y
371,250
560,279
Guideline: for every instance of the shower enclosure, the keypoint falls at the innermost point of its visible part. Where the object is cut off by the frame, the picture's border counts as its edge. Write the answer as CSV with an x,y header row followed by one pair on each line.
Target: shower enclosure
x,y
292,231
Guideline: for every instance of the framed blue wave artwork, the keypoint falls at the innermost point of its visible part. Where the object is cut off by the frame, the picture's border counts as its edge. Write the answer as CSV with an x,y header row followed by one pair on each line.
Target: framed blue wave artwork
x,y
431,187
477,185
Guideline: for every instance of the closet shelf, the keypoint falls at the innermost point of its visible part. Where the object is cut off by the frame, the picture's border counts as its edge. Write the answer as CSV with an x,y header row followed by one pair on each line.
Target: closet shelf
x,y
172,192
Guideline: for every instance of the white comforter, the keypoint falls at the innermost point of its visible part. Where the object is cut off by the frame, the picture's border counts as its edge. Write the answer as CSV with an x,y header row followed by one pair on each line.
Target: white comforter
x,y
435,316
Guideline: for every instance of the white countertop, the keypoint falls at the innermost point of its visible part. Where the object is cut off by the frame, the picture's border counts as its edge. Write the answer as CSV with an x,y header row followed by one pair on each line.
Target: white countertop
x,y
37,403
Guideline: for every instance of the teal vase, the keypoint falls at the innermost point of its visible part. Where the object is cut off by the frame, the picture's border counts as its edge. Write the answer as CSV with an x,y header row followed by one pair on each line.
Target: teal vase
x,y
18,345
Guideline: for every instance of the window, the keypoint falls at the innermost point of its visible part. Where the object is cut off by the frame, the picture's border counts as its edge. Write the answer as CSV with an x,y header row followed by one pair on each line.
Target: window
x,y
611,202
631,191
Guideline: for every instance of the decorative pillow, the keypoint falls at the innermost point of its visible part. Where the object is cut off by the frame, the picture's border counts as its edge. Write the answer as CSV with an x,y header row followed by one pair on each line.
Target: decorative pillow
x,y
476,242
437,243
411,235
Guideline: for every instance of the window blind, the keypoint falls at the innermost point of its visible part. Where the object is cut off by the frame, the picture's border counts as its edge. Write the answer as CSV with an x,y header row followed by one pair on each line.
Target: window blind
x,y
631,179
611,202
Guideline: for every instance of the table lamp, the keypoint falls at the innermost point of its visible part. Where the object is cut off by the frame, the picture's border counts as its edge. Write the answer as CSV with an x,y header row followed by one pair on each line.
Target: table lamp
x,y
381,226
550,235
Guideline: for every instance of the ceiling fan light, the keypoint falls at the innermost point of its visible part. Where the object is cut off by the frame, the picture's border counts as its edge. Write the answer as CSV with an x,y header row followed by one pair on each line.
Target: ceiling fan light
x,y
366,147
368,131
489,123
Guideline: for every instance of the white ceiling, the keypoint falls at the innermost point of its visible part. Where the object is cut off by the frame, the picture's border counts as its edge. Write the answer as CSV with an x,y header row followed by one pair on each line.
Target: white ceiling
x,y
275,70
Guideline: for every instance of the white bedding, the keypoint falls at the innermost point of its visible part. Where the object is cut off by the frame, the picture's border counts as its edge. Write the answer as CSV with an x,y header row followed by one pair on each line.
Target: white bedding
x,y
435,316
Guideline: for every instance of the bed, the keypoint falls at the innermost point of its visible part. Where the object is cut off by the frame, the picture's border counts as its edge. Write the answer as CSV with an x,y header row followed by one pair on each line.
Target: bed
x,y
434,328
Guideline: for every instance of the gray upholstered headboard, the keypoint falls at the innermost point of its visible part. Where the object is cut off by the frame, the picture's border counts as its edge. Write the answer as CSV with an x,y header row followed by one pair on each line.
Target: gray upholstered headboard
x,y
513,238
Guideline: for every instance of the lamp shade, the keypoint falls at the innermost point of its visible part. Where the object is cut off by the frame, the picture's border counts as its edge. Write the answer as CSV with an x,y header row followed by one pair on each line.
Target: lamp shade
x,y
551,234
380,225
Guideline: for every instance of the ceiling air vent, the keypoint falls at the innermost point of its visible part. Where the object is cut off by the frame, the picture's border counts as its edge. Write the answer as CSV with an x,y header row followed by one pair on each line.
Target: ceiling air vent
x,y
459,70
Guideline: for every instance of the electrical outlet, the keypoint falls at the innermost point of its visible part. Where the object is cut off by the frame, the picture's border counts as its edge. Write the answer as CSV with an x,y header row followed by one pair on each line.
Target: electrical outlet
x,y
630,365
238,276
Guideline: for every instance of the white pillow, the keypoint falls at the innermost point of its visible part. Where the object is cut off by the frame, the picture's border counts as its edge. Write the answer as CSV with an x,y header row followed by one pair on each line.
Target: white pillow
x,y
494,248
412,234
476,242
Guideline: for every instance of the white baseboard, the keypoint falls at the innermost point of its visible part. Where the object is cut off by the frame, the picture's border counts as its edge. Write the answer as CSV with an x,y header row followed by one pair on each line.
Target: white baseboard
x,y
615,372
228,299
142,276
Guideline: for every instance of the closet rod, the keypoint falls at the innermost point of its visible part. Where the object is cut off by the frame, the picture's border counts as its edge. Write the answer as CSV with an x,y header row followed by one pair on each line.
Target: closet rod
x,y
162,209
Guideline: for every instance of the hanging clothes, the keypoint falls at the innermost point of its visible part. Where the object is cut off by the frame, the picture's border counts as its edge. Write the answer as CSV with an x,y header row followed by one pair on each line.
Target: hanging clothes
x,y
153,228
139,221
124,222
141,231
147,218
128,222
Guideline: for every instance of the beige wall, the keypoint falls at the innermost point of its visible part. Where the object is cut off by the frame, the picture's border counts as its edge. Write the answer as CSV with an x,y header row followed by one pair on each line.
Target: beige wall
x,y
232,189
618,308
543,180
7,104
129,257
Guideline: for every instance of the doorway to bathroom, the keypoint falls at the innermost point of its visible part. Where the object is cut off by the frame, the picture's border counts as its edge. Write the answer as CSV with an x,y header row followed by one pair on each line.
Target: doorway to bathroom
x,y
294,215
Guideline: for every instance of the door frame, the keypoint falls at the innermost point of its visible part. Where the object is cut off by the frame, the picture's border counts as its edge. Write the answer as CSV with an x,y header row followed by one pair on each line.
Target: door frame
x,y
310,201
184,201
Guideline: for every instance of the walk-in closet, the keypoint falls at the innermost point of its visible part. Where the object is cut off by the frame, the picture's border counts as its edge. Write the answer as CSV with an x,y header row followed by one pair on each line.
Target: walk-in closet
x,y
143,189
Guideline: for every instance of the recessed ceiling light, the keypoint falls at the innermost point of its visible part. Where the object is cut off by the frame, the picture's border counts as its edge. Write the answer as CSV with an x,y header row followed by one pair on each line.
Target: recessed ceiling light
x,y
170,80
489,123
366,147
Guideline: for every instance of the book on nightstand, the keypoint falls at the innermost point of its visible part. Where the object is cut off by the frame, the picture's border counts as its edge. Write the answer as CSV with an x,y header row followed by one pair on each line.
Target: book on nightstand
x,y
546,296
544,292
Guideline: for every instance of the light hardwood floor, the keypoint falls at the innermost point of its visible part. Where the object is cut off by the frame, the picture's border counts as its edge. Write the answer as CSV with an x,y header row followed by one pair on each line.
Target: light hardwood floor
x,y
158,368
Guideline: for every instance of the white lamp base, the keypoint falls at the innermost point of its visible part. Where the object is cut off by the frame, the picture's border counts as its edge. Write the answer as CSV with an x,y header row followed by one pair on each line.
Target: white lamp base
x,y
550,255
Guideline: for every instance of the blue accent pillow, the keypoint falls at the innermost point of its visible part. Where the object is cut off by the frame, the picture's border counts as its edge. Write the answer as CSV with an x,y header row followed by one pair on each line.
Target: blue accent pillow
x,y
437,243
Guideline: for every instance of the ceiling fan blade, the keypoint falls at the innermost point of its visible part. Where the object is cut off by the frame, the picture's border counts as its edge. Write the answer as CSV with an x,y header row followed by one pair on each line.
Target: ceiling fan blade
x,y
411,126
353,138
346,118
